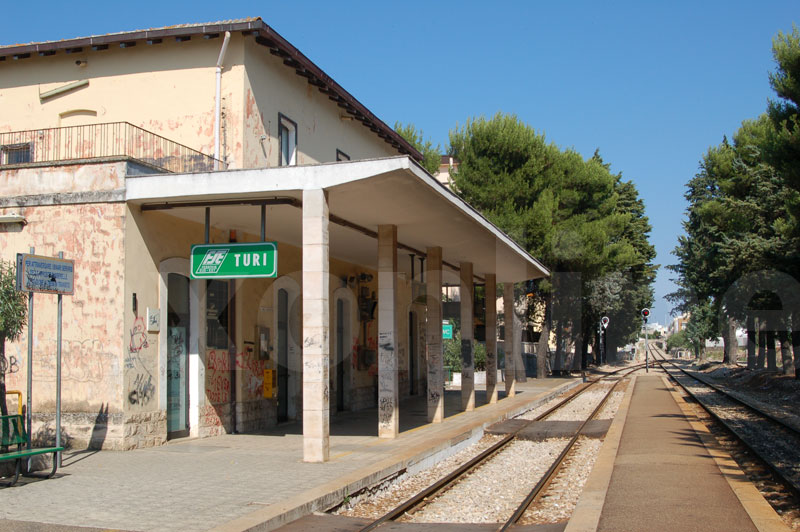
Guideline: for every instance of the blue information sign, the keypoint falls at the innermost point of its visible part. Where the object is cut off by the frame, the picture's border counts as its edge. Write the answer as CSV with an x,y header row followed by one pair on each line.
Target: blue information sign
x,y
49,275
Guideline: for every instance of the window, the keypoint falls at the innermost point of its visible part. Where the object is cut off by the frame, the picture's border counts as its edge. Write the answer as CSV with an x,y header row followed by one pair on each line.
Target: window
x,y
16,153
287,133
217,322
342,156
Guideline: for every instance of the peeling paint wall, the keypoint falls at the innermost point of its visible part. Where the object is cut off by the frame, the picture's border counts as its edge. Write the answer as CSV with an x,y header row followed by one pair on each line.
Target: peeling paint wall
x,y
240,374
169,89
62,179
269,88
166,88
92,347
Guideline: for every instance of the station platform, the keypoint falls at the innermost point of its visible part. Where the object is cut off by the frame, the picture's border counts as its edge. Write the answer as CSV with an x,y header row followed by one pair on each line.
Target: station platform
x,y
250,481
660,469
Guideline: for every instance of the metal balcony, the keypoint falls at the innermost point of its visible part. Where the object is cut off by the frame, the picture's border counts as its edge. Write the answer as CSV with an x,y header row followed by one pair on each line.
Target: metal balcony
x,y
101,141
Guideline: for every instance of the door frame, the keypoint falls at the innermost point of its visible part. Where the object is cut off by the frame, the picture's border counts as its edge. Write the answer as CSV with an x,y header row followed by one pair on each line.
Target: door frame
x,y
181,266
350,329
293,346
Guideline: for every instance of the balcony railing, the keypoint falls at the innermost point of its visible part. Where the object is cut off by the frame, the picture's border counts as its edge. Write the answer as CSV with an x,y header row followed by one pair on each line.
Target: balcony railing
x,y
113,139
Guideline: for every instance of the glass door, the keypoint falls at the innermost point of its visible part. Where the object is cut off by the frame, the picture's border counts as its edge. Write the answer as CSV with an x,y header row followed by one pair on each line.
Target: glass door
x,y
283,355
339,355
177,356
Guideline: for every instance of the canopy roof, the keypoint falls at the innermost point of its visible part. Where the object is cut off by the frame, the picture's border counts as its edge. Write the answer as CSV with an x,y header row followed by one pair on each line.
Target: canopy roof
x,y
361,195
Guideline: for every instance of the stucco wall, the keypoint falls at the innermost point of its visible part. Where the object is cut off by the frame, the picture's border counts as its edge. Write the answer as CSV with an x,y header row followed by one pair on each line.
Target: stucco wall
x,y
272,88
166,88
92,347
153,237
169,89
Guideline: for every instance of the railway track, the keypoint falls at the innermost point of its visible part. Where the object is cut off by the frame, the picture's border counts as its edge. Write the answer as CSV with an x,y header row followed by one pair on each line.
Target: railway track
x,y
765,446
431,493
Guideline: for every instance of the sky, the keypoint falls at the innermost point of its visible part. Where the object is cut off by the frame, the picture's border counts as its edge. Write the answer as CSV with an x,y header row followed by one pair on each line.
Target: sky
x,y
652,85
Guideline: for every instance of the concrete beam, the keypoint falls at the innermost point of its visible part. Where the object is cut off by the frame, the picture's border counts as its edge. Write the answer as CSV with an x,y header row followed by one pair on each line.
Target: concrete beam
x,y
316,327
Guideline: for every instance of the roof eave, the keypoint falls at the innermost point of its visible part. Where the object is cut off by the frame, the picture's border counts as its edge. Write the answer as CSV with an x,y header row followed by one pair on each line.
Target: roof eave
x,y
266,36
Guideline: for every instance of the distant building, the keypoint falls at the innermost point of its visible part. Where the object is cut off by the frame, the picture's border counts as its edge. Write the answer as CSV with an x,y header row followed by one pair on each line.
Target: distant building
x,y
446,167
678,324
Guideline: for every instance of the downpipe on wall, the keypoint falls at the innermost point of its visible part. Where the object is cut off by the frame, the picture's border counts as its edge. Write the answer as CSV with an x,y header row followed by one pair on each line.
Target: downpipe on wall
x,y
218,98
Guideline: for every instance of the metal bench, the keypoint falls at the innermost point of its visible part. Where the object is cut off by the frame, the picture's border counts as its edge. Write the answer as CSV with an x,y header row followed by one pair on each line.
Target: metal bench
x,y
12,432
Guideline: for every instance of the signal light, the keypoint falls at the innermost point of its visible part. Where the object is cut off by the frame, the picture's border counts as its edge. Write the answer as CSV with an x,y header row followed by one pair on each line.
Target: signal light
x,y
645,314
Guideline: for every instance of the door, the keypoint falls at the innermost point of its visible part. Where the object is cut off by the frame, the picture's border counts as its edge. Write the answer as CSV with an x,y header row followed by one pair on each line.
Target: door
x,y
412,354
283,355
177,356
339,355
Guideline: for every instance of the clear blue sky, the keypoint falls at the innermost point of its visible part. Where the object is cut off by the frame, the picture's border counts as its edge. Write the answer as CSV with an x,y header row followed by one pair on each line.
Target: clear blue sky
x,y
651,84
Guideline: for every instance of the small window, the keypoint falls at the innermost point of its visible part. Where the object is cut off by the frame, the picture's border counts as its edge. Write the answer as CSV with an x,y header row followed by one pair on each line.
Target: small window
x,y
287,133
217,315
16,153
342,156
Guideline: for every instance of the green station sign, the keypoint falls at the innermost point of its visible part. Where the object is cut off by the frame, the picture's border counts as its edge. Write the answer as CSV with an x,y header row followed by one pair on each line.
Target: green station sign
x,y
447,330
234,261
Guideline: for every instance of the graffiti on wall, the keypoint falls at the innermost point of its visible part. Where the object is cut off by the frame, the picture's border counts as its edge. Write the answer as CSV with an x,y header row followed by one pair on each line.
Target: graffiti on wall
x,y
138,341
218,388
82,361
142,390
218,367
9,365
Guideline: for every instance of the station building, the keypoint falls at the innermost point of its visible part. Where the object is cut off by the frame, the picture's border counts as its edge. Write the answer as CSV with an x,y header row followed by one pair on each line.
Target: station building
x,y
124,150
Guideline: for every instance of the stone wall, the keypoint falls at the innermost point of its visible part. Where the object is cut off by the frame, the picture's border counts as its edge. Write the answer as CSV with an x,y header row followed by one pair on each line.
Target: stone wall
x,y
145,429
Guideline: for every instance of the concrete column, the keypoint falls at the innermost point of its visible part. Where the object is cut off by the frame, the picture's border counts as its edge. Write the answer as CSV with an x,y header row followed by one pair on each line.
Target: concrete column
x,y
491,338
316,327
467,339
388,387
433,336
511,331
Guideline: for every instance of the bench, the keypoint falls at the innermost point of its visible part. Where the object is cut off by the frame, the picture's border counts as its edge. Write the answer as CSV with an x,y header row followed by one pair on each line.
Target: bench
x,y
12,432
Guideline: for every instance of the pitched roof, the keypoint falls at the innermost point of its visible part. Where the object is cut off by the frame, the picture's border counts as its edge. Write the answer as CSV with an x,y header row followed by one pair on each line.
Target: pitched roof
x,y
263,34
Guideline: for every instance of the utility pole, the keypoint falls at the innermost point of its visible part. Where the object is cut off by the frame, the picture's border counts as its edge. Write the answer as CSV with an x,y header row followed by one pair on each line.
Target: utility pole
x,y
645,315
603,324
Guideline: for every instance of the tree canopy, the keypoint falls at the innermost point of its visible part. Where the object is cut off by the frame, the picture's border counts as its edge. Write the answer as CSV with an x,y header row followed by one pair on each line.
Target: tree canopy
x,y
743,212
13,316
431,155
570,212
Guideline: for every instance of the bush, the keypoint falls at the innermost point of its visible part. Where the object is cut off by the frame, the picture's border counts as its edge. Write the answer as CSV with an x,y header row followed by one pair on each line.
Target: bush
x,y
452,353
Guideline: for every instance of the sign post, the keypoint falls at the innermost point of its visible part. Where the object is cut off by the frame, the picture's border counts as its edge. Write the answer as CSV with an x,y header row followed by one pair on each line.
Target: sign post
x,y
234,260
48,275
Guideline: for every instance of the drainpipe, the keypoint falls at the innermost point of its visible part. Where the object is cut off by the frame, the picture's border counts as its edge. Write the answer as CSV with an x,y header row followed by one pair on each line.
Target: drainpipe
x,y
217,101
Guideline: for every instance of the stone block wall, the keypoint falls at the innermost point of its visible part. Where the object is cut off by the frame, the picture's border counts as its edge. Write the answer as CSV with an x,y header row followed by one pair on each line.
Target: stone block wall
x,y
145,429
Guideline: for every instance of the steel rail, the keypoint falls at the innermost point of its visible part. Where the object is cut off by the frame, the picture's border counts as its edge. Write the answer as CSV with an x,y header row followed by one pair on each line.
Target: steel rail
x,y
548,477
450,479
728,395
765,461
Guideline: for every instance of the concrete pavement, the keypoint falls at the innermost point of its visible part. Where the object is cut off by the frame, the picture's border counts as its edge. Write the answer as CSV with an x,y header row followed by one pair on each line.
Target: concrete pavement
x,y
660,469
235,482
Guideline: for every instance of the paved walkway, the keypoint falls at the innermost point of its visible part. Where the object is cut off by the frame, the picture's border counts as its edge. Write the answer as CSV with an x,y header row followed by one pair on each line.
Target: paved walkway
x,y
665,478
234,482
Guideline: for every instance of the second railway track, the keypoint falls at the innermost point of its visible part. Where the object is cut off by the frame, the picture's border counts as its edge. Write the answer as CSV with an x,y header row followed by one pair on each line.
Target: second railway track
x,y
765,446
437,501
